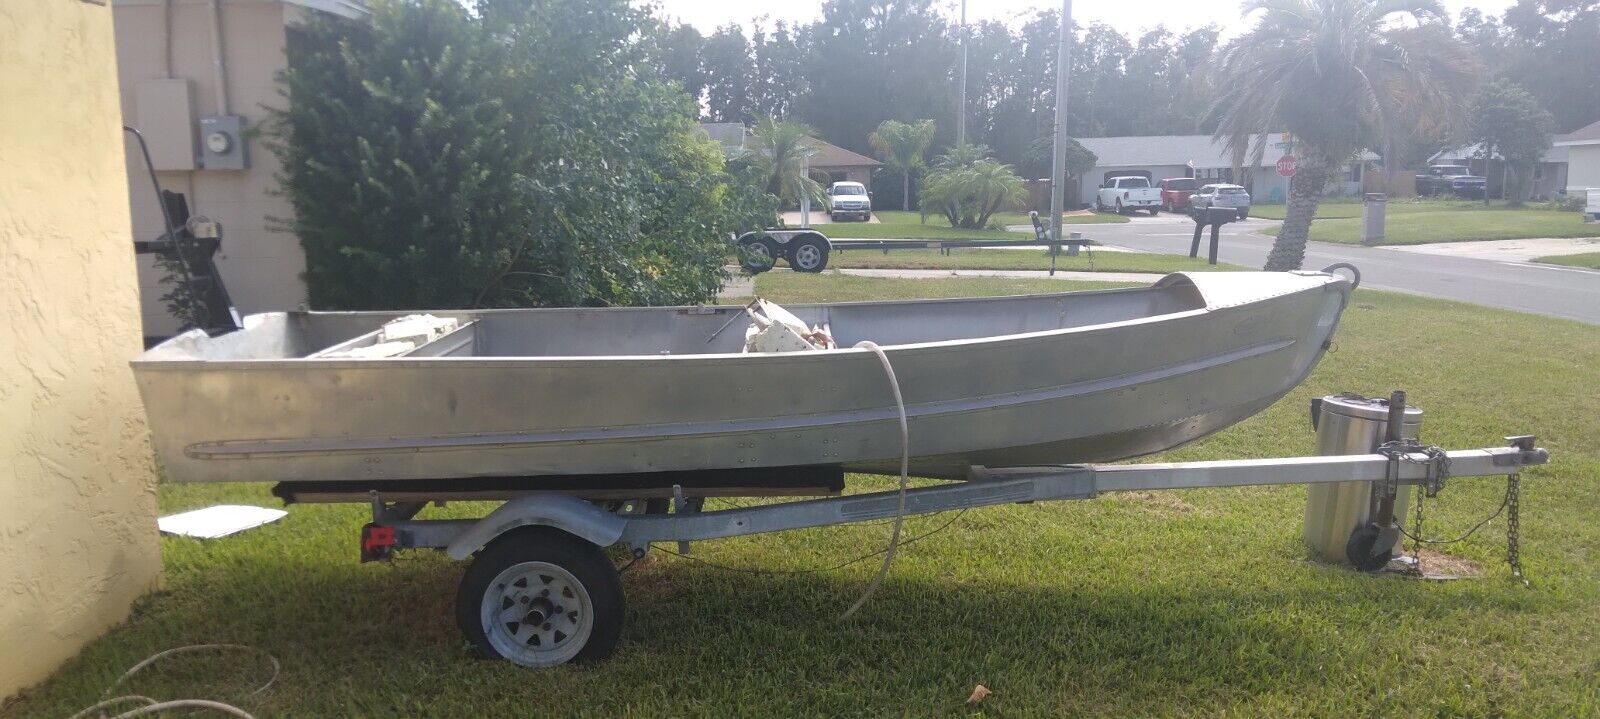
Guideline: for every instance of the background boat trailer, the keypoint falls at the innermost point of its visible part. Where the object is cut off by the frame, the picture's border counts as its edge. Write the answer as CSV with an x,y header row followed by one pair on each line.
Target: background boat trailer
x,y
809,250
542,591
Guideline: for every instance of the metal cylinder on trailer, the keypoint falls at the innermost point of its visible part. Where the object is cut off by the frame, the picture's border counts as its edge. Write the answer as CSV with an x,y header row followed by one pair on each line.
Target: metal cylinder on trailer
x,y
1350,424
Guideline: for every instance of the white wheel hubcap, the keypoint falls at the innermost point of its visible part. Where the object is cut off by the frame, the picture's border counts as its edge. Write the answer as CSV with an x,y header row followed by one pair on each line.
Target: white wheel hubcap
x,y
808,256
537,614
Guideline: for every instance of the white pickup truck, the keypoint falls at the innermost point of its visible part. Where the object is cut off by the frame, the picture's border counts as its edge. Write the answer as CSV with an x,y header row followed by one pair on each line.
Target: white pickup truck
x,y
1126,194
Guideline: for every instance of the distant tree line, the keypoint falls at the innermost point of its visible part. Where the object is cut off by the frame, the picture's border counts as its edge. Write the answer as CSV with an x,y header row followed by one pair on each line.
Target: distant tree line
x,y
866,61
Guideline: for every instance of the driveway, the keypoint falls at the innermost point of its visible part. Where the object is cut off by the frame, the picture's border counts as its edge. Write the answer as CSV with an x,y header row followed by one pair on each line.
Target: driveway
x,y
1465,276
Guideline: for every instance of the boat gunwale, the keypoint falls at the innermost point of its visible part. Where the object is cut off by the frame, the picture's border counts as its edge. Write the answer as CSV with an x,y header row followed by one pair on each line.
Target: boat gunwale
x,y
143,363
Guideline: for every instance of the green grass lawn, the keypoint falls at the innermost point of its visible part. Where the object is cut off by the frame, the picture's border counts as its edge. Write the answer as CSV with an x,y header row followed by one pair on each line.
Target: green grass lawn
x,y
1344,207
1192,603
1457,225
909,225
1590,260
1094,218
1001,259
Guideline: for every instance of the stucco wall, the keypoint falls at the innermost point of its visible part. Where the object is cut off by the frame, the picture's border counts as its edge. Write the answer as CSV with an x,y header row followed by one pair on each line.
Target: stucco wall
x,y
77,501
1583,168
260,266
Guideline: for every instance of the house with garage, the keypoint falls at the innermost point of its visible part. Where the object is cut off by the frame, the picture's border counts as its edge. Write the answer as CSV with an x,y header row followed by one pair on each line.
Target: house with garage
x,y
830,164
1549,173
1198,156
1583,158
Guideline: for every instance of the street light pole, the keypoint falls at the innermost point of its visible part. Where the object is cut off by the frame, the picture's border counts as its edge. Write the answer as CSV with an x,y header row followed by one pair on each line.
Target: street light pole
x,y
1058,163
961,101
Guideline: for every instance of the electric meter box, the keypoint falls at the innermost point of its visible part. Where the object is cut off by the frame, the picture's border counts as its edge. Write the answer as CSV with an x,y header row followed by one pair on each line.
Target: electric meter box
x,y
222,145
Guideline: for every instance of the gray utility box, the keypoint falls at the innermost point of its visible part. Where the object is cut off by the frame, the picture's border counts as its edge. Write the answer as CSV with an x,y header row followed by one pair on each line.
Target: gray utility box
x,y
1374,206
1350,424
222,145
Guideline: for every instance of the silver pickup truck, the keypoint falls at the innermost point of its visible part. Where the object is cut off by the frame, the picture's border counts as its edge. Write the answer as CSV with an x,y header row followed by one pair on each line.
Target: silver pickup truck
x,y
1126,194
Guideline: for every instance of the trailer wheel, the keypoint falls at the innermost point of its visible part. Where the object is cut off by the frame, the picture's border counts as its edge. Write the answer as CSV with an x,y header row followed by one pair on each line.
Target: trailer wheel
x,y
808,254
1359,549
757,254
540,597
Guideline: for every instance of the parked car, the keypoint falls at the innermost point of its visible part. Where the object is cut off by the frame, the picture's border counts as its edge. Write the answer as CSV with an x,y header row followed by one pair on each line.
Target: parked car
x,y
1451,179
1175,192
1221,195
1126,194
847,200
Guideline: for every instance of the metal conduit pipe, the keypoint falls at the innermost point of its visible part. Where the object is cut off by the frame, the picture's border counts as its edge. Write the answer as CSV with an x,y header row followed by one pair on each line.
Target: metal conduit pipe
x,y
219,67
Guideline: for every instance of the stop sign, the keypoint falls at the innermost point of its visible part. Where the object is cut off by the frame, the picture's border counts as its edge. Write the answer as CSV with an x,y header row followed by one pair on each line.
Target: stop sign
x,y
1286,165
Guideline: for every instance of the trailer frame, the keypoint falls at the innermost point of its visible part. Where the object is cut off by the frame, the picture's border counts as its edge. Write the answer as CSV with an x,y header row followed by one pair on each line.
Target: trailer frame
x,y
558,538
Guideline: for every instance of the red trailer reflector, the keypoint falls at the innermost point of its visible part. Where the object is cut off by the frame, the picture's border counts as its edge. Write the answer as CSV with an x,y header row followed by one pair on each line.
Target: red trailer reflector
x,y
377,543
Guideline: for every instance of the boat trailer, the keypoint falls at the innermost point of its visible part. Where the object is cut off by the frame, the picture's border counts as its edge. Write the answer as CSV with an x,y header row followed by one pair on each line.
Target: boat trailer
x,y
808,249
540,591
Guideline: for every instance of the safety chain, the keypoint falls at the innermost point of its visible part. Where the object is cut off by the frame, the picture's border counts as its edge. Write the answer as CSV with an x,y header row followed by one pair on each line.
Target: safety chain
x,y
1416,541
1438,462
1513,523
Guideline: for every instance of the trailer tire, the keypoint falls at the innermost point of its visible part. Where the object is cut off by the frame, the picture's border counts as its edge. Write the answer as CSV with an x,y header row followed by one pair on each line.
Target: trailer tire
x,y
538,574
757,254
808,253
1359,549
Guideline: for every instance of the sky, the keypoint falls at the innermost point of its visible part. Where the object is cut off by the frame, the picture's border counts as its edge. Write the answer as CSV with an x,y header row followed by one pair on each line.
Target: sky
x,y
1127,17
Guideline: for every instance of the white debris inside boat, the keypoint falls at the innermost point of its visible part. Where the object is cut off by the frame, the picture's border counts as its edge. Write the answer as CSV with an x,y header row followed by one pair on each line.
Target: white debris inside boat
x,y
397,337
775,329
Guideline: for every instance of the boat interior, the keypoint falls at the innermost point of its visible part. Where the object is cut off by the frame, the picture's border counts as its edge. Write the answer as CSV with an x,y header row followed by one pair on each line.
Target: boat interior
x,y
707,329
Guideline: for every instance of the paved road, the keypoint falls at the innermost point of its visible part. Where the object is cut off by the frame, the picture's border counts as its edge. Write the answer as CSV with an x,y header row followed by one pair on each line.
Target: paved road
x,y
1552,291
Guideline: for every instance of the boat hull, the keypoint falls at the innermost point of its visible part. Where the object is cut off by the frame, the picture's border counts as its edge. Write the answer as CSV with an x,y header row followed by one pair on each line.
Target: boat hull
x,y
1093,392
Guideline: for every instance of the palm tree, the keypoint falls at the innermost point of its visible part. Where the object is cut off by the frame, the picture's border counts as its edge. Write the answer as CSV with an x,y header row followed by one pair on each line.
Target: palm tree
x,y
784,147
968,188
1342,76
961,156
901,145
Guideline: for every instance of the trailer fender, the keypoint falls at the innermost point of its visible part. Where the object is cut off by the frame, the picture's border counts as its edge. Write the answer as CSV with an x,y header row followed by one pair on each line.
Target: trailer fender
x,y
561,511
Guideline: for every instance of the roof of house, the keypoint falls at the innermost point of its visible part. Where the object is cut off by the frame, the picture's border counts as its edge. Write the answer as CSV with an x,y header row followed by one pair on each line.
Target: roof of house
x,y
1586,135
1198,151
735,138
353,9
831,155
1474,151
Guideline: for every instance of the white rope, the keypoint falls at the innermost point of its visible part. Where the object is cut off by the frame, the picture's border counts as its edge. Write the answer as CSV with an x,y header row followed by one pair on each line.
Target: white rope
x,y
905,473
151,706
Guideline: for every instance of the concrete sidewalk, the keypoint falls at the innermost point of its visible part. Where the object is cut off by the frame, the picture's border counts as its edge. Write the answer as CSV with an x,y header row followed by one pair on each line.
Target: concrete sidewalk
x,y
1506,250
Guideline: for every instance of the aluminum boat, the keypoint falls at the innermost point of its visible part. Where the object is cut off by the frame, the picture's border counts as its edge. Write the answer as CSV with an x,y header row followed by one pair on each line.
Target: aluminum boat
x,y
615,400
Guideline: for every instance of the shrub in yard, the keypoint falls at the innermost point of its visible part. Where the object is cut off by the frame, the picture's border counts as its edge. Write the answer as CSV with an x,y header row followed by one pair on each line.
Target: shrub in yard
x,y
521,154
967,188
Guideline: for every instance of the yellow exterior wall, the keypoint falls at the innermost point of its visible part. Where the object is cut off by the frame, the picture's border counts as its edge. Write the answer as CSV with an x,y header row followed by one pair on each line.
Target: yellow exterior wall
x,y
77,491
1583,168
